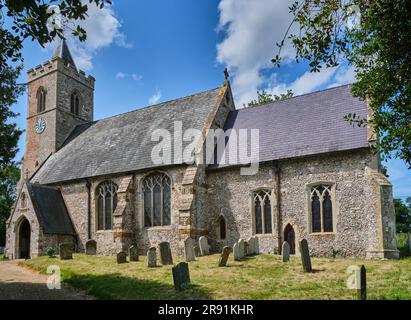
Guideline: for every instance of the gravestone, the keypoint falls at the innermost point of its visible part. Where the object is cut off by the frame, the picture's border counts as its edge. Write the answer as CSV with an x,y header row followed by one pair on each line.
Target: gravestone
x,y
224,257
181,276
189,250
362,287
91,247
247,248
251,246
121,257
305,255
285,251
203,244
241,249
236,252
133,253
197,251
256,245
66,251
166,257
152,257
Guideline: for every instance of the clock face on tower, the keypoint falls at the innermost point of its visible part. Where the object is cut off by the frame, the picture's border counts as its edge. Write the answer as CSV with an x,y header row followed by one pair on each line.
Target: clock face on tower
x,y
40,125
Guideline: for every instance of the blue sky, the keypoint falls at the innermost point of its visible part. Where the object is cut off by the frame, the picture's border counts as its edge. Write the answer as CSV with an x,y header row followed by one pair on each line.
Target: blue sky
x,y
143,52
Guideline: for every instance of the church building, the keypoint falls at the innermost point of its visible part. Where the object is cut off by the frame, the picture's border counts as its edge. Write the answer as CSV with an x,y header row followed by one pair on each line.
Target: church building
x,y
82,180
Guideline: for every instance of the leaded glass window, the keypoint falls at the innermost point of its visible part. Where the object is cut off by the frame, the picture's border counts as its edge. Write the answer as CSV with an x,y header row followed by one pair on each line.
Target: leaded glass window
x,y
321,209
157,200
262,212
106,194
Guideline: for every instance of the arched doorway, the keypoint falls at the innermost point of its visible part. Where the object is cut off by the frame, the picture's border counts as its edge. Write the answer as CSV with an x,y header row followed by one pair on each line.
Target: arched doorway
x,y
289,236
24,240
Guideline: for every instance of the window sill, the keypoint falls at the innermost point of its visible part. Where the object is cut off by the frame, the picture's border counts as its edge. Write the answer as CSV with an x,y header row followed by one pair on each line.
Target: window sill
x,y
322,234
103,231
263,235
158,228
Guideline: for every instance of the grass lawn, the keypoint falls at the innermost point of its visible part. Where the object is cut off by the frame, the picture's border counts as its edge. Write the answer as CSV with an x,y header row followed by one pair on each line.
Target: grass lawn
x,y
260,277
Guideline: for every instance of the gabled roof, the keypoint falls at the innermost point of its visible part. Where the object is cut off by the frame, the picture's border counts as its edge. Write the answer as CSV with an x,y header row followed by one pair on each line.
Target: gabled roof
x,y
63,52
123,143
303,125
50,209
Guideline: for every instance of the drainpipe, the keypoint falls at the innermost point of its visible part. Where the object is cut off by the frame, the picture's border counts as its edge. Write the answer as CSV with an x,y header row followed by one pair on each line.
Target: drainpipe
x,y
277,190
88,185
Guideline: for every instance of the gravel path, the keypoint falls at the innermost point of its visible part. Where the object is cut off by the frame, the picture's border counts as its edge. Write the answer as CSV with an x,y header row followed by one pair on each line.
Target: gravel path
x,y
18,283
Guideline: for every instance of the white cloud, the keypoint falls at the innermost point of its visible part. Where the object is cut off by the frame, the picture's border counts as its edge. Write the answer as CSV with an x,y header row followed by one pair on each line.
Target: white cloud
x,y
103,29
155,97
120,75
136,77
252,29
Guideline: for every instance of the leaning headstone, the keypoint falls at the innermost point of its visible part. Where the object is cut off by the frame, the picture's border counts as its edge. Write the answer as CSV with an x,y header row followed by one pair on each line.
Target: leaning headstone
x,y
189,250
197,251
133,253
152,257
181,276
241,249
91,247
305,255
285,251
66,251
362,287
121,257
224,257
203,244
236,252
165,253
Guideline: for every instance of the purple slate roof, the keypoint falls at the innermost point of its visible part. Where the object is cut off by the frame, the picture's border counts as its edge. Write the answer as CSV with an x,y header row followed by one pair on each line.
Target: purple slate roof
x,y
303,125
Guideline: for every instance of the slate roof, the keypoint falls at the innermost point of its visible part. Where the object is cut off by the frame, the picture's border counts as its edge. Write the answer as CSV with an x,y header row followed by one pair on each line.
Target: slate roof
x,y
123,143
50,209
303,125
63,52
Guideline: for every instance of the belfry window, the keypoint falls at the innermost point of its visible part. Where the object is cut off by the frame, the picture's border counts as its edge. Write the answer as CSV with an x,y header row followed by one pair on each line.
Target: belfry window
x,y
262,212
106,196
75,103
321,209
41,99
157,200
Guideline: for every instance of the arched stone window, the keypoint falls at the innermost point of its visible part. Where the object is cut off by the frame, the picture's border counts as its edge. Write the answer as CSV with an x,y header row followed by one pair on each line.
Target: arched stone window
x,y
41,99
23,200
106,198
321,209
262,212
221,228
75,101
157,200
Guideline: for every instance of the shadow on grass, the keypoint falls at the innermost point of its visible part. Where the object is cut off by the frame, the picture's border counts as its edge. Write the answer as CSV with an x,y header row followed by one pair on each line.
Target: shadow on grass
x,y
116,286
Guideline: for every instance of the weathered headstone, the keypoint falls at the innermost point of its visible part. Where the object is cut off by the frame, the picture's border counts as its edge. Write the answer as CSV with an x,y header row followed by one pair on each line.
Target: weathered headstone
x,y
189,250
66,251
236,252
224,257
241,249
285,251
152,257
247,248
305,255
362,291
166,257
197,251
121,257
256,245
203,244
91,247
133,253
181,276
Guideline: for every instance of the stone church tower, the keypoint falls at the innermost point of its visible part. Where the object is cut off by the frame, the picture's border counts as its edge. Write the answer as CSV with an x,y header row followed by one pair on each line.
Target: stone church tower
x,y
60,98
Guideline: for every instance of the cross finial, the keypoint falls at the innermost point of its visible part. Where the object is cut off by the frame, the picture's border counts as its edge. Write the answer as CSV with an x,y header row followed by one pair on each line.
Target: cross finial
x,y
226,74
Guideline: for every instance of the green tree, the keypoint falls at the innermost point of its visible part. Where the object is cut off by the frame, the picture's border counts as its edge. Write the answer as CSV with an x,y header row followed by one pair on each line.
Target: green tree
x,y
403,215
264,97
9,177
374,37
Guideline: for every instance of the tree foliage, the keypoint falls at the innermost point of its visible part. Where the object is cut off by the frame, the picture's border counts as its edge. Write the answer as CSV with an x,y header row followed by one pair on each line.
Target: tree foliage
x,y
374,37
263,97
9,177
403,215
